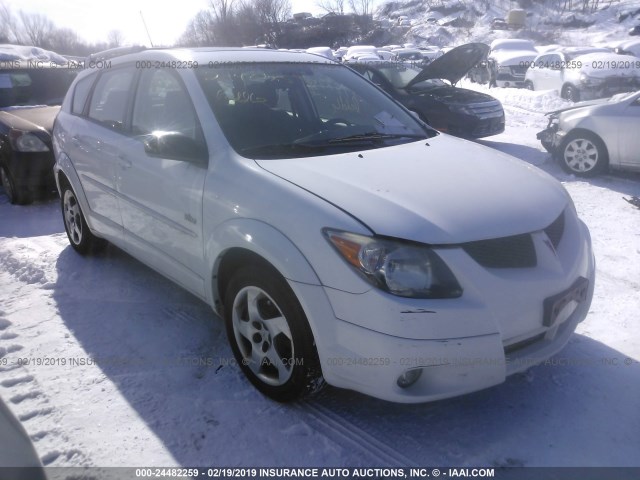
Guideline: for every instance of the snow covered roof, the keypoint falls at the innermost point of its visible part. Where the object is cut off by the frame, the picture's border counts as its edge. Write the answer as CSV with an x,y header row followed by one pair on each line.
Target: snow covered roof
x,y
26,53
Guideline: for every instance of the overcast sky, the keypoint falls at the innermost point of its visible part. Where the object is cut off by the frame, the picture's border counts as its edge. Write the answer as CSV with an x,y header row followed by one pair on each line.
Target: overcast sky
x,y
93,20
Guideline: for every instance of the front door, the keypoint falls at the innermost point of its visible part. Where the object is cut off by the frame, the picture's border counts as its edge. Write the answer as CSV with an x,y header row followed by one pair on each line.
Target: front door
x,y
161,194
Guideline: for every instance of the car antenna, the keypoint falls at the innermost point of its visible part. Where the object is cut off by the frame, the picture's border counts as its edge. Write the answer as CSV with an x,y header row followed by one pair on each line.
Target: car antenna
x,y
146,29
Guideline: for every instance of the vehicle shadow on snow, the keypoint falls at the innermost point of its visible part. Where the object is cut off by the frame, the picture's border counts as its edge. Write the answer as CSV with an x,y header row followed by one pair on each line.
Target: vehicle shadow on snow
x,y
168,357
24,221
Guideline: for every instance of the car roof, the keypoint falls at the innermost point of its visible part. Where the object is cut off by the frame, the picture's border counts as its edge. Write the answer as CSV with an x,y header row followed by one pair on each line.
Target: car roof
x,y
220,55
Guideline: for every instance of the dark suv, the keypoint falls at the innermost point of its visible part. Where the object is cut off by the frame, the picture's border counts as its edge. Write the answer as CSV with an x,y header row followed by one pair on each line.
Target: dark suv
x,y
31,91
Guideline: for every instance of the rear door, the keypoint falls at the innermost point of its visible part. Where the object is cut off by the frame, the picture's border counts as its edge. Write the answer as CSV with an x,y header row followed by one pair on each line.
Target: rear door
x,y
97,130
161,189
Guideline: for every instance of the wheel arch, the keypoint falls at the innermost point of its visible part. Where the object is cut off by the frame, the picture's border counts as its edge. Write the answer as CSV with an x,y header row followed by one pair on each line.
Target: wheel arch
x,y
239,242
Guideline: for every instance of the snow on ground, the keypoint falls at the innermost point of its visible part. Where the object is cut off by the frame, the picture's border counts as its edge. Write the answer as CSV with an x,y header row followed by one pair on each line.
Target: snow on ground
x,y
125,369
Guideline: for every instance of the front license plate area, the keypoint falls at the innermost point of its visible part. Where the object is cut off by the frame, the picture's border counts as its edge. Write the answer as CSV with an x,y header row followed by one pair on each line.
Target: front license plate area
x,y
559,307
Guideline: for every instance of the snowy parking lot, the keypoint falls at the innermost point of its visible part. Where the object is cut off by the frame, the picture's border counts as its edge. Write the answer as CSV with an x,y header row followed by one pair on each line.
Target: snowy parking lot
x,y
106,363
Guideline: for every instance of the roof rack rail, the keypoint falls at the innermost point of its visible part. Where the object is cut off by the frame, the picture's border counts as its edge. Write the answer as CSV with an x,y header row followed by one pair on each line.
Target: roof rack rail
x,y
115,52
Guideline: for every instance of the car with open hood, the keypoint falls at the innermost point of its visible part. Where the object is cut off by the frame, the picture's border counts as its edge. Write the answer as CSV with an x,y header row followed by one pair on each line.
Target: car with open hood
x,y
431,93
592,136
341,239
33,83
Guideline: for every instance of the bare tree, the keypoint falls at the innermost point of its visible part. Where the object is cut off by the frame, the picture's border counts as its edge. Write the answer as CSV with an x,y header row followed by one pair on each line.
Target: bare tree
x,y
361,7
200,31
331,6
8,24
36,29
223,10
272,12
115,38
63,40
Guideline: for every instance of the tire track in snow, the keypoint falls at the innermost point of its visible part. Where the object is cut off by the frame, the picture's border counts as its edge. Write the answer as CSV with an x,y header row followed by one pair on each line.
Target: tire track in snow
x,y
333,425
33,408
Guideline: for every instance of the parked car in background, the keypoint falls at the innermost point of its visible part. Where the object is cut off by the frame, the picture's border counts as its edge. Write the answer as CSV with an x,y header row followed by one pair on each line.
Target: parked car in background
x,y
336,234
584,73
324,51
33,83
408,56
356,51
431,94
629,47
590,137
509,60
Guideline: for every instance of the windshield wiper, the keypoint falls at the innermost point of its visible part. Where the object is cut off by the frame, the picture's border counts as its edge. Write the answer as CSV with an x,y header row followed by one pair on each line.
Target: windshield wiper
x,y
372,136
281,148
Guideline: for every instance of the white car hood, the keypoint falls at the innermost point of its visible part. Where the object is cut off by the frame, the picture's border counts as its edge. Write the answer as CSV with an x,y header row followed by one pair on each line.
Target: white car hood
x,y
512,57
451,191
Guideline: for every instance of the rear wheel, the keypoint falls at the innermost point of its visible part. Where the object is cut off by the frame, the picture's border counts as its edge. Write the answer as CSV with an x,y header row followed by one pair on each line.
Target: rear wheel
x,y
528,85
16,195
583,154
80,237
270,335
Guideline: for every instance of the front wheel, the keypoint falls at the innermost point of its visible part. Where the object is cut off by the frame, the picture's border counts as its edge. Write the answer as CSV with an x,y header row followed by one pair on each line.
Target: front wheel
x,y
80,237
583,154
270,335
528,85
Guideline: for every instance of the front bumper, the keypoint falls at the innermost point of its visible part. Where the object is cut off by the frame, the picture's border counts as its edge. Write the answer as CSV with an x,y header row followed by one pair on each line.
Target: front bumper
x,y
551,137
367,342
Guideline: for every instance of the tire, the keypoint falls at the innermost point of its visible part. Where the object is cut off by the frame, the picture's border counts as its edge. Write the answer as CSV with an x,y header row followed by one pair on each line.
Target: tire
x,y
528,85
583,154
571,93
16,196
78,233
265,325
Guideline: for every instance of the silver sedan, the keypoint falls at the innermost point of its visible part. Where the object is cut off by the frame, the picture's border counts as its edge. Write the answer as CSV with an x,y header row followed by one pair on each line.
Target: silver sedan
x,y
590,137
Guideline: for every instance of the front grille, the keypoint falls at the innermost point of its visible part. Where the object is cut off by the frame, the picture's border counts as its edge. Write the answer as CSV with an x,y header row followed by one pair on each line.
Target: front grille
x,y
517,251
486,109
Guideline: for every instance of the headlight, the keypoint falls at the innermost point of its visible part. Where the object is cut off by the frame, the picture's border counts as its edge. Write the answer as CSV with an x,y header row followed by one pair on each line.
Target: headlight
x,y
27,142
402,268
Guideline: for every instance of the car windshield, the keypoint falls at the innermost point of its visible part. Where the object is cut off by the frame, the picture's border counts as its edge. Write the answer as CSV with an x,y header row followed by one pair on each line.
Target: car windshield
x,y
34,86
274,110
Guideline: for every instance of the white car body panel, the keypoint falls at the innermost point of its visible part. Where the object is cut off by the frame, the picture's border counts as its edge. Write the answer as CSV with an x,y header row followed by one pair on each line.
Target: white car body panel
x,y
181,218
435,213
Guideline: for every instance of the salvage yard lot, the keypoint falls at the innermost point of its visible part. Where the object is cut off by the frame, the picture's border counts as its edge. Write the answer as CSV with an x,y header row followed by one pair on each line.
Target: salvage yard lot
x,y
106,363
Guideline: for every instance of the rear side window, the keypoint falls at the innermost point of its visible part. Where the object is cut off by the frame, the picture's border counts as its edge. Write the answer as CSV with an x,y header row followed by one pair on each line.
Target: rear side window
x,y
109,101
80,95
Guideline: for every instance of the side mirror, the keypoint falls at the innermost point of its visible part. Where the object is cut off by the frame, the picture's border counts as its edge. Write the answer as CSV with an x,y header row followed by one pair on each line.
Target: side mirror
x,y
175,145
